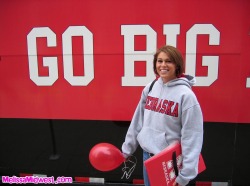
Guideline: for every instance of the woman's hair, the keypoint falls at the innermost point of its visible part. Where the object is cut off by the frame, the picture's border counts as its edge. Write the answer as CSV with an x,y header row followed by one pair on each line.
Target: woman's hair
x,y
175,56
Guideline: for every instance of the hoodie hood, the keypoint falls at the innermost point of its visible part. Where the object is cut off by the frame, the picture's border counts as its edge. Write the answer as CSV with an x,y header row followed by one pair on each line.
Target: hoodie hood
x,y
187,80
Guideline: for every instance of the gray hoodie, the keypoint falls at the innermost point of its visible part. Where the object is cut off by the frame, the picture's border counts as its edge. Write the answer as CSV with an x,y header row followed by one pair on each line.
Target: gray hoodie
x,y
167,113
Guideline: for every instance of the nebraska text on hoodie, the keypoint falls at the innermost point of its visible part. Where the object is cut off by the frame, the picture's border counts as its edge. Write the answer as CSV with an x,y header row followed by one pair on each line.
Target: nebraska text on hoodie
x,y
169,112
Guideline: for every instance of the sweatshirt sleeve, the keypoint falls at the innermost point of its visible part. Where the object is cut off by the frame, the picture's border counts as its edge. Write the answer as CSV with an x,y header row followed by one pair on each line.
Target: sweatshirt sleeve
x,y
130,144
191,142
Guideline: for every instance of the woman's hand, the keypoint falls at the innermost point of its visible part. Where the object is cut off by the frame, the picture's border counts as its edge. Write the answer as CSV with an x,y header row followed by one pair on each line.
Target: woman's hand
x,y
175,184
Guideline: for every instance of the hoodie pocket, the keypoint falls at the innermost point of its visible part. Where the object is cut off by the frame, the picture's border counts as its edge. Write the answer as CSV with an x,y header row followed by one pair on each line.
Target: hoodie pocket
x,y
152,140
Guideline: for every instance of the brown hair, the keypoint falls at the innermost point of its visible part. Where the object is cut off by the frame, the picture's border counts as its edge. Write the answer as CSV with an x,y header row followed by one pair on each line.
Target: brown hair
x,y
175,56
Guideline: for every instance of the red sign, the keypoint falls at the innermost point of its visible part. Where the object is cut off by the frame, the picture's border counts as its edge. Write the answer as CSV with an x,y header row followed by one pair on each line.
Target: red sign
x,y
91,59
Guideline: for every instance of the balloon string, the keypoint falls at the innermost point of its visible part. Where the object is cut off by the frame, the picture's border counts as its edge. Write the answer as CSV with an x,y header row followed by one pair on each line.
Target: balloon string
x,y
127,171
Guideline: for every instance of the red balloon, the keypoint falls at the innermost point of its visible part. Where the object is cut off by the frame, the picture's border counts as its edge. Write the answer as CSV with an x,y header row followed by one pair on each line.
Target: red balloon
x,y
105,157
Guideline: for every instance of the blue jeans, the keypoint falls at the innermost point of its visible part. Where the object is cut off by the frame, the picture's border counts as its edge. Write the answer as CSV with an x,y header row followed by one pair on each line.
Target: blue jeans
x,y
145,174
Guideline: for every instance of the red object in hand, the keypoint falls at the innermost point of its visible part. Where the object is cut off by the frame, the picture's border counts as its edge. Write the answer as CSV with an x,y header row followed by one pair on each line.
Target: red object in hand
x,y
105,157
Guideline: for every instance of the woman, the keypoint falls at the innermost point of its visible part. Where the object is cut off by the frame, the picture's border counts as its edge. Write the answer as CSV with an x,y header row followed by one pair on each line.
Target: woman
x,y
168,112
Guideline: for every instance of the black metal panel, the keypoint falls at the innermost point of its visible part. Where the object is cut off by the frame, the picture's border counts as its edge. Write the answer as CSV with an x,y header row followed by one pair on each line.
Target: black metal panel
x,y
218,151
28,146
242,156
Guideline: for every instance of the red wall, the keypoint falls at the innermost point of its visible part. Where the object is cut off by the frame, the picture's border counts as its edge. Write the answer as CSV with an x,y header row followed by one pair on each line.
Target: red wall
x,y
99,39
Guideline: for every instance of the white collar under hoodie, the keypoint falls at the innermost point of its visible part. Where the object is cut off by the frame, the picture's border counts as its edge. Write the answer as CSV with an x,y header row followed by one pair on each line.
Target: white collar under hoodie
x,y
167,113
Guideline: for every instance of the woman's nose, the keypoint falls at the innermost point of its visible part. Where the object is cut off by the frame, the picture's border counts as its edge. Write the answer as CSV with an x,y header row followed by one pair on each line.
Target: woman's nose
x,y
164,64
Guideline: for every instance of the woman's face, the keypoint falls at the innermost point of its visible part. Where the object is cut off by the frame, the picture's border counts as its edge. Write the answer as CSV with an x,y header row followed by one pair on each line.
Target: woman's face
x,y
165,67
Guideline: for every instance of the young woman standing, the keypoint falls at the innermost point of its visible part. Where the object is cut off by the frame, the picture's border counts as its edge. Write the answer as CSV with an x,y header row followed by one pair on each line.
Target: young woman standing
x,y
169,112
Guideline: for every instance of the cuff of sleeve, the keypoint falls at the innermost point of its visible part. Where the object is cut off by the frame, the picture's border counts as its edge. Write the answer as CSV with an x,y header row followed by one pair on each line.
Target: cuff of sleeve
x,y
181,181
125,155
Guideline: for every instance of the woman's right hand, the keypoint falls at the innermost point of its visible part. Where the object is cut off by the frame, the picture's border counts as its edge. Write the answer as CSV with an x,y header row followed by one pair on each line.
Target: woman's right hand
x,y
175,184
